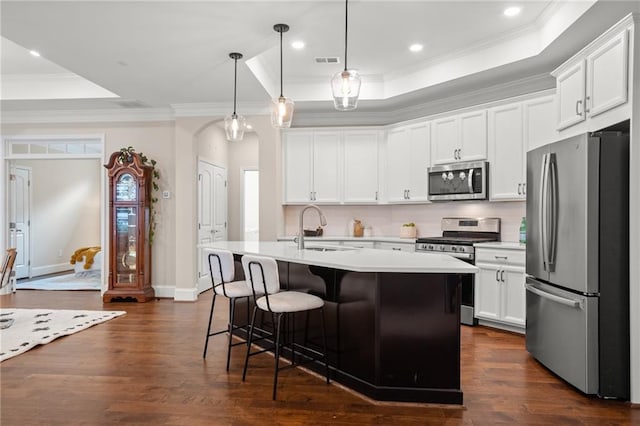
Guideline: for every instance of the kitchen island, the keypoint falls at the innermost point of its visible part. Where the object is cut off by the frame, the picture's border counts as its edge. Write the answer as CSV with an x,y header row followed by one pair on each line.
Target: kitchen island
x,y
393,318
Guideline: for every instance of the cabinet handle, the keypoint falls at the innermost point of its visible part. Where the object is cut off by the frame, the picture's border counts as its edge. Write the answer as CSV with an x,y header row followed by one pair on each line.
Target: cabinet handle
x,y
408,194
502,275
578,104
586,104
501,257
497,272
396,248
524,189
519,189
376,195
460,154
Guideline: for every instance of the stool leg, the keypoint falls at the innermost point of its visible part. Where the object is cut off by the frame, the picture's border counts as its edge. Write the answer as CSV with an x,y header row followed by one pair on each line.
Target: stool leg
x,y
324,342
246,360
275,373
232,310
206,340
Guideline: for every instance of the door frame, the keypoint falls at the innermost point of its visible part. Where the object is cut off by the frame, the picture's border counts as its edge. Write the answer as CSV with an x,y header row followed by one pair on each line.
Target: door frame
x,y
49,147
27,258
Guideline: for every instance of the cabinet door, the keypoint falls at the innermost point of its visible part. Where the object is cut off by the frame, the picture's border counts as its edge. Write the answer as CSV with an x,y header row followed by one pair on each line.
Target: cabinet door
x,y
398,164
445,140
507,154
570,87
326,167
360,167
473,136
607,75
418,161
539,118
513,295
298,151
408,247
487,292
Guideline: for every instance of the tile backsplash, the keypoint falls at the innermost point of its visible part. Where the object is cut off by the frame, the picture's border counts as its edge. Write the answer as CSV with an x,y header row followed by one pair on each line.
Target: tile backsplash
x,y
386,220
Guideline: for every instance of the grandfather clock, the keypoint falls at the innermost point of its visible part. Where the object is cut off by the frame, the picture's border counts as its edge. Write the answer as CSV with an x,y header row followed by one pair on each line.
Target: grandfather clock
x,y
129,247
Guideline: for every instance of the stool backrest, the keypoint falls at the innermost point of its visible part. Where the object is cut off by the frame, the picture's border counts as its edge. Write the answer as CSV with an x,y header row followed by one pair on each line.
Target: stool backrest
x,y
221,265
261,273
7,266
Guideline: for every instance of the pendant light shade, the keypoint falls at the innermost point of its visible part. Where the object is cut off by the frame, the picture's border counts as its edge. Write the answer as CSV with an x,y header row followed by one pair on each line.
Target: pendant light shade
x,y
345,84
234,124
281,107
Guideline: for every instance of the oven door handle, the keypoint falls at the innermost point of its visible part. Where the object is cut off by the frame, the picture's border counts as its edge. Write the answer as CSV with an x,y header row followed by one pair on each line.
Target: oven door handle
x,y
466,256
470,181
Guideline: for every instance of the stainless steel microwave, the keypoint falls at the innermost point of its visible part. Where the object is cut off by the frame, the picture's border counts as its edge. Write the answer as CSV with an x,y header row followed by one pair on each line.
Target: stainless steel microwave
x,y
459,181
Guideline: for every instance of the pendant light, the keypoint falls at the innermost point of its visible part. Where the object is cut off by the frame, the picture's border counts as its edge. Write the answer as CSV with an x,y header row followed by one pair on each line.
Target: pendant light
x,y
281,107
345,84
234,124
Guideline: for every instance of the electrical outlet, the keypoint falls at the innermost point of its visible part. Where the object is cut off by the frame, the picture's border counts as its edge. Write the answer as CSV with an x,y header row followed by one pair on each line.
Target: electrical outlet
x,y
166,194
60,253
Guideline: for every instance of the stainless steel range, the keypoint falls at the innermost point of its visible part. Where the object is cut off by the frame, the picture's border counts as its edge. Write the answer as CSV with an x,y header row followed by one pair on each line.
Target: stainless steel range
x,y
458,237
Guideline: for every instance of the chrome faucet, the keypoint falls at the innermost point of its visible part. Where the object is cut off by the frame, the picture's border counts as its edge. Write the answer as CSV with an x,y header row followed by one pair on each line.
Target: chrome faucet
x,y
323,222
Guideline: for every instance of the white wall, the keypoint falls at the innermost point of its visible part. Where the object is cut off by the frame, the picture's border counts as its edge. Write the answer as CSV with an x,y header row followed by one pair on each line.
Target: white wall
x,y
242,155
386,220
155,140
65,211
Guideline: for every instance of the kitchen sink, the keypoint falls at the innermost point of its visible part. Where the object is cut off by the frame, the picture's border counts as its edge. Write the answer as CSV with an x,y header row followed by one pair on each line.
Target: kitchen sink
x,y
329,248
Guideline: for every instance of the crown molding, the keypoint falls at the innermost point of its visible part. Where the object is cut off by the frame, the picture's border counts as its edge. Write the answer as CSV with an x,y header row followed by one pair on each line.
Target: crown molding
x,y
86,116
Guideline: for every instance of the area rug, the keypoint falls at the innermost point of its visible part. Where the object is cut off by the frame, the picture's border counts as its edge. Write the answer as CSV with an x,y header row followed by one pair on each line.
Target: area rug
x,y
27,328
82,281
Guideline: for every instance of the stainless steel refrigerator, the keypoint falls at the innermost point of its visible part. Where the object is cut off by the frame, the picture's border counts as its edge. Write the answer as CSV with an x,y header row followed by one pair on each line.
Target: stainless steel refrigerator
x,y
577,286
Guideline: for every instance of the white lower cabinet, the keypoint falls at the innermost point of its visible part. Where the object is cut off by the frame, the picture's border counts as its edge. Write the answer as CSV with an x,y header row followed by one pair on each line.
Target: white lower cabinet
x,y
499,287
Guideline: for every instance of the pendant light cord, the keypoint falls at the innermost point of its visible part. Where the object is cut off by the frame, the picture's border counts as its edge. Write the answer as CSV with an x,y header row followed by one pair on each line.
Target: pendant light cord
x,y
235,85
346,27
281,63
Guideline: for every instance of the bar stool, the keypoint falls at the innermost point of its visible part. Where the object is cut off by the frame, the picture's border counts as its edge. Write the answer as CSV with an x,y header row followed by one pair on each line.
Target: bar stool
x,y
221,268
263,278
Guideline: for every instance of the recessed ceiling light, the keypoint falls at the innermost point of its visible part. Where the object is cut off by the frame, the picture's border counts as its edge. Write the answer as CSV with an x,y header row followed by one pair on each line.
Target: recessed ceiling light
x,y
512,11
415,47
249,127
297,44
35,53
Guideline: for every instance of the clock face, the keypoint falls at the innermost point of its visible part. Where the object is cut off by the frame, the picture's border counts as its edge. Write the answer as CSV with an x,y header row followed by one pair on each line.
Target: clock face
x,y
126,188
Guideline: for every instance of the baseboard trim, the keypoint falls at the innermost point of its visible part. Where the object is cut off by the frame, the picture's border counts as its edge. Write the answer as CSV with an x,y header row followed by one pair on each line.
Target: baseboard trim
x,y
37,271
164,291
186,294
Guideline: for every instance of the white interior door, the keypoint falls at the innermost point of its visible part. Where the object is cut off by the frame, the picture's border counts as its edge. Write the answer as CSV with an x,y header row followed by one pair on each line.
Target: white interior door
x,y
19,218
212,214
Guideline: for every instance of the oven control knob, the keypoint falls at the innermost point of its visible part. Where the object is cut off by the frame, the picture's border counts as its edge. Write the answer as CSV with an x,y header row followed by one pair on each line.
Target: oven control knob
x,y
430,246
450,176
444,176
454,248
463,175
441,248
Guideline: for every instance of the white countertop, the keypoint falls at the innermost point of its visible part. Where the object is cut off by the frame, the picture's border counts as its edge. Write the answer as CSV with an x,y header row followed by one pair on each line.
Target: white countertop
x,y
509,245
330,238
354,259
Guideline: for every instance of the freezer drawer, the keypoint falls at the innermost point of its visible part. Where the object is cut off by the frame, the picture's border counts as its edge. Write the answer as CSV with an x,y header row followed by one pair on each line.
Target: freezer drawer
x,y
562,333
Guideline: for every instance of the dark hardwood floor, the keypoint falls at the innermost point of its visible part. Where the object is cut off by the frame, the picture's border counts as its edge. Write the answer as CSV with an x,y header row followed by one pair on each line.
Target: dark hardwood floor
x,y
147,368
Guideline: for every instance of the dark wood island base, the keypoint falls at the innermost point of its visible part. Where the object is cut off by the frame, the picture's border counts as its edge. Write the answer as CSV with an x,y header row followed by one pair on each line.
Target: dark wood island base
x,y
390,336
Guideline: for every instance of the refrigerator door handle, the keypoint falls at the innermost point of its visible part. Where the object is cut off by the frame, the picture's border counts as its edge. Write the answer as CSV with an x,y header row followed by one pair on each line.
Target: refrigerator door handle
x,y
543,210
553,201
562,300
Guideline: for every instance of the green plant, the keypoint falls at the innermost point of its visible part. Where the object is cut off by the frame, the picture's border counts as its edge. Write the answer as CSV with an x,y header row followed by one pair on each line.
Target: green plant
x,y
126,156
409,224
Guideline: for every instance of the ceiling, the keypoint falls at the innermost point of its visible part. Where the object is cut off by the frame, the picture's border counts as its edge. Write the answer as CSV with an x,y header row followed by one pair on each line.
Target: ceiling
x,y
174,55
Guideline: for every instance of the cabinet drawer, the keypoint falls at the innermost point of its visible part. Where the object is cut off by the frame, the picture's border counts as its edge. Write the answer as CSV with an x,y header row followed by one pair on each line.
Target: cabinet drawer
x,y
358,244
500,256
396,246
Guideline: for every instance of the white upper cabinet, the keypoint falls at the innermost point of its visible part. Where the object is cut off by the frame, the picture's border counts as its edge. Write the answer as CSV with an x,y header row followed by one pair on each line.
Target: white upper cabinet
x,y
539,117
595,81
460,137
507,153
360,168
407,162
312,163
298,175
326,167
